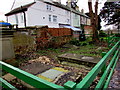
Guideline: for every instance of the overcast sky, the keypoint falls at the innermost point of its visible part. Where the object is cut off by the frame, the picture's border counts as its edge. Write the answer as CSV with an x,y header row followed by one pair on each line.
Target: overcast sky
x,y
5,5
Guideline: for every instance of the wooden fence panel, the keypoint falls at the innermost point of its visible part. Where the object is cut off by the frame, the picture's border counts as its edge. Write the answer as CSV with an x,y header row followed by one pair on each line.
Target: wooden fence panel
x,y
59,31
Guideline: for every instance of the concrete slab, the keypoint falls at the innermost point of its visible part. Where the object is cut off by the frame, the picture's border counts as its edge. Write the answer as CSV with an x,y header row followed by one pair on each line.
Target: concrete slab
x,y
9,77
52,74
78,58
35,68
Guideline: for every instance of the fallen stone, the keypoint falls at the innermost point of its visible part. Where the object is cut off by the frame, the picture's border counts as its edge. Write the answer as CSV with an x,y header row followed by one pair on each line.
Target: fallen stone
x,y
77,58
89,58
35,68
9,77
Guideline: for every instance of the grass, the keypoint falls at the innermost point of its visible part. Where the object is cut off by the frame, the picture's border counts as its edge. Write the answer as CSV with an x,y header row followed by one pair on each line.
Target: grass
x,y
88,50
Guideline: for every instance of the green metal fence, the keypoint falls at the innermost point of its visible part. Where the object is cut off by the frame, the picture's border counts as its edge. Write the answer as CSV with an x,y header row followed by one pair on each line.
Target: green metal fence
x,y
112,39
106,72
113,55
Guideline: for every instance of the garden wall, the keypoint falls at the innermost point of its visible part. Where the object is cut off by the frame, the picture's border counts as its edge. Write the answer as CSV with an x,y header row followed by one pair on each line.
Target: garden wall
x,y
40,37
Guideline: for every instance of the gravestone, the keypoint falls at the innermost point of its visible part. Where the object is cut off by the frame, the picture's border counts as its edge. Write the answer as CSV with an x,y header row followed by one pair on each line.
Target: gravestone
x,y
6,43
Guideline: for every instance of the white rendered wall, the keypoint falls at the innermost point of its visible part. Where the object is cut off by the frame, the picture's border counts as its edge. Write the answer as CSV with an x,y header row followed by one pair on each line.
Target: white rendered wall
x,y
38,14
19,21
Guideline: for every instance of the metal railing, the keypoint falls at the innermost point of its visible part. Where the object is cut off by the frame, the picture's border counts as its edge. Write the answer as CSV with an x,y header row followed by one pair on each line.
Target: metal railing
x,y
112,39
100,67
108,71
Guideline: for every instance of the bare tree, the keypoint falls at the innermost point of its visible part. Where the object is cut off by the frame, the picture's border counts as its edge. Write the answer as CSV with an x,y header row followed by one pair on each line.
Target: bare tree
x,y
94,20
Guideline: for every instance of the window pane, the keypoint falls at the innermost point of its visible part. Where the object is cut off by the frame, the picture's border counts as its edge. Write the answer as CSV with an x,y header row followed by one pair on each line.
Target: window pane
x,y
54,18
50,18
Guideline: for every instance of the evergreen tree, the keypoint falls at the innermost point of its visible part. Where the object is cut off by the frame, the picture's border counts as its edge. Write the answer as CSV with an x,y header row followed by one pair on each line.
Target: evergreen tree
x,y
111,13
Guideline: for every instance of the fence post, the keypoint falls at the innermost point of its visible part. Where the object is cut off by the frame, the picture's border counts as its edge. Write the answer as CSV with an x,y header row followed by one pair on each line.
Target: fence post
x,y
69,85
104,67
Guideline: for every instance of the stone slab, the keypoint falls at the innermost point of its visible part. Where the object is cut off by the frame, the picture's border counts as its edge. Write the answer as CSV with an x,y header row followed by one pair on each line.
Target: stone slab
x,y
6,48
78,58
52,74
9,77
35,68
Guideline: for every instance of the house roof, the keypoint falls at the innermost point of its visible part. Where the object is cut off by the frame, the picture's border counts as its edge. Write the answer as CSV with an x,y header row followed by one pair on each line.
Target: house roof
x,y
25,7
65,7
19,9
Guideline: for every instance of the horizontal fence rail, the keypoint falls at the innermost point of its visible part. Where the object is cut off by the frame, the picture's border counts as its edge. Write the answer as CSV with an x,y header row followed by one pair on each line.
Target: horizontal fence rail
x,y
112,39
29,78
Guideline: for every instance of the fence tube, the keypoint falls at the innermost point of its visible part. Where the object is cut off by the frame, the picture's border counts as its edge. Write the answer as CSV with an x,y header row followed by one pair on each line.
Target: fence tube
x,y
103,78
111,73
7,85
88,79
29,78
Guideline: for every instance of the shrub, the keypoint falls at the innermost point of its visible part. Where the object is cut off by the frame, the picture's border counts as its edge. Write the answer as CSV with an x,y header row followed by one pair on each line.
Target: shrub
x,y
23,43
102,34
75,42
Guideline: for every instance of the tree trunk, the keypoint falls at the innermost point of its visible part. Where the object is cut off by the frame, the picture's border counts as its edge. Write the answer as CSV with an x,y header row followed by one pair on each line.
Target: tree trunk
x,y
94,20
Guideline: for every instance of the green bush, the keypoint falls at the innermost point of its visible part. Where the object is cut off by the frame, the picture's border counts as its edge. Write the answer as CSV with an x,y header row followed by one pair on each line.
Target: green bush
x,y
75,42
102,34
117,35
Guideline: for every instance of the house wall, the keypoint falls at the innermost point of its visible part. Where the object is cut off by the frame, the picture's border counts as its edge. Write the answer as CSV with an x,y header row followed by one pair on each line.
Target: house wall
x,y
75,20
12,19
88,21
88,30
38,14
83,20
17,19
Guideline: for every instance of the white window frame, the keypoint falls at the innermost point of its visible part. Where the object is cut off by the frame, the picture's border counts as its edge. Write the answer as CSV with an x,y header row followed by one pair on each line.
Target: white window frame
x,y
54,18
50,18
48,7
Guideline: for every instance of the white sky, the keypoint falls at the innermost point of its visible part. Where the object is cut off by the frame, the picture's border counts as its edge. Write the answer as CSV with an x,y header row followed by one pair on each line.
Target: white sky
x,y
5,5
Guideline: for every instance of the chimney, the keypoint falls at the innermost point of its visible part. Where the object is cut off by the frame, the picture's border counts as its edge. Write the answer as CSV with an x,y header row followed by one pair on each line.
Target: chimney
x,y
68,3
82,10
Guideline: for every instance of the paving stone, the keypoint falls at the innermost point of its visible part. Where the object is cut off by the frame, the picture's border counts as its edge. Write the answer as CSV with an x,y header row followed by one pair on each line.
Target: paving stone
x,y
52,74
9,77
35,68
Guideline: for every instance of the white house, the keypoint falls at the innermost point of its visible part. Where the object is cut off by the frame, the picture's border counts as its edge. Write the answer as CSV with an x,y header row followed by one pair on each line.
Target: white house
x,y
46,12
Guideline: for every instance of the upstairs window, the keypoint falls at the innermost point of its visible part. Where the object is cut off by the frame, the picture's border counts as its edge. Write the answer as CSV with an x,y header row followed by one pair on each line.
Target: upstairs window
x,y
48,7
50,18
75,15
54,18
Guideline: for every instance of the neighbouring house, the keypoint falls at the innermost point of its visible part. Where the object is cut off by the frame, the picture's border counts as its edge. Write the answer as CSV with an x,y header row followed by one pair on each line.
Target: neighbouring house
x,y
88,30
46,12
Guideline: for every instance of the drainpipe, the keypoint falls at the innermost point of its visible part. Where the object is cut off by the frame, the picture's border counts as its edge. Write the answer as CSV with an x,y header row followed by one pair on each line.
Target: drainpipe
x,y
24,19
